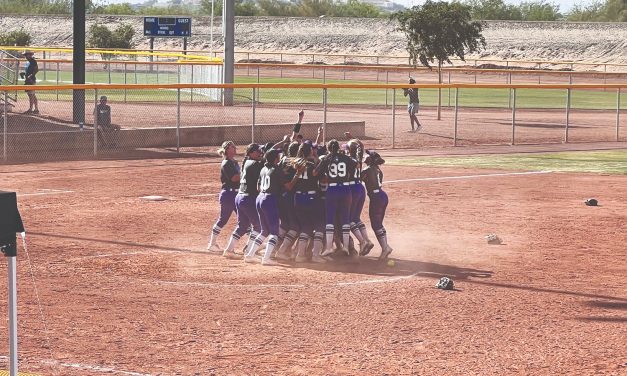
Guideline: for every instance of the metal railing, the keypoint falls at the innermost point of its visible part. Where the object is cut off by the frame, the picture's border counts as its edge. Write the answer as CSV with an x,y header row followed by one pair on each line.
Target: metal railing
x,y
326,58
162,118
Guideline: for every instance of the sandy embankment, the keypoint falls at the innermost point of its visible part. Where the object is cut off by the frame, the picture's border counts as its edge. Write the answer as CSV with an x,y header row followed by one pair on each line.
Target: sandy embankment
x,y
563,41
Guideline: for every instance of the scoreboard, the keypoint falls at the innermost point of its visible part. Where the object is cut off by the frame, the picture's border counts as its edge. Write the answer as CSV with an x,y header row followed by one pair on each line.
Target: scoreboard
x,y
167,26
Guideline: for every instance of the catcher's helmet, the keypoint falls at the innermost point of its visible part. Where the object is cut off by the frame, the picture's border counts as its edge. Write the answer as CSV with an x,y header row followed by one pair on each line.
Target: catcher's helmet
x,y
591,202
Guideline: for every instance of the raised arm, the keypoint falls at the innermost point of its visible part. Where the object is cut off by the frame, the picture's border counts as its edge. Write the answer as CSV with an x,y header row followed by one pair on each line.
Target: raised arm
x,y
320,135
297,126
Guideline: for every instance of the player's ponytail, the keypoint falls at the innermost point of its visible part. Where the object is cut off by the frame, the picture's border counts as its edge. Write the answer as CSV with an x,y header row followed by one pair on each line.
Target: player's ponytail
x,y
225,145
356,149
333,147
250,149
304,151
271,157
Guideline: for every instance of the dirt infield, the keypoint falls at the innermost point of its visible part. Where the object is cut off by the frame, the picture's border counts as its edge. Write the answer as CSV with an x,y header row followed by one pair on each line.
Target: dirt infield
x,y
125,290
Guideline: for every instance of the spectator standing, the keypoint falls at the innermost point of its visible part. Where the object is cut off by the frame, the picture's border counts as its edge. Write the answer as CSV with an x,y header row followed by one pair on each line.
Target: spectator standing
x,y
30,78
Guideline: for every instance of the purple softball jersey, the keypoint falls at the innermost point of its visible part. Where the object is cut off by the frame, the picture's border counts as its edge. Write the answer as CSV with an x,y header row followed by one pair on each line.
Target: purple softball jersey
x,y
271,181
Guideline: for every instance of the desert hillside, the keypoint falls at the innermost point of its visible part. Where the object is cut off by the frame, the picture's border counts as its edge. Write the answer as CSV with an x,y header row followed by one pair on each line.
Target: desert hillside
x,y
564,41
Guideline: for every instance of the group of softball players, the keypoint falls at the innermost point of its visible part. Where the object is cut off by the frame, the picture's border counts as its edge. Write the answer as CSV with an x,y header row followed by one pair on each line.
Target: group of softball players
x,y
303,199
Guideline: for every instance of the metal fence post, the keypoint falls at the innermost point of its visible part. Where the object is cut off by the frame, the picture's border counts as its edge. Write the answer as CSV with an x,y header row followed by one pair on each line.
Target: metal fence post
x,y
95,123
567,115
539,74
109,71
393,118
191,90
6,122
387,79
324,112
252,137
45,68
125,82
178,119
324,75
58,72
514,116
455,121
449,89
617,113
509,82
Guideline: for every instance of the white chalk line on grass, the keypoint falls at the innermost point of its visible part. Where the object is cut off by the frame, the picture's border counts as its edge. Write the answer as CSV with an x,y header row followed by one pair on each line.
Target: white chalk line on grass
x,y
470,176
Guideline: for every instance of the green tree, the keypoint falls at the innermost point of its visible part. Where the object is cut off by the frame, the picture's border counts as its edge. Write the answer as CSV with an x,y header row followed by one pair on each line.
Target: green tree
x,y
436,31
540,11
242,8
610,11
493,10
205,7
15,38
36,6
123,8
101,37
278,8
356,8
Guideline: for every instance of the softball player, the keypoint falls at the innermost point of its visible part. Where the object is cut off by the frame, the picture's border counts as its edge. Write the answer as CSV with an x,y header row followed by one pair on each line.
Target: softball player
x,y
373,177
289,229
271,183
339,170
229,176
358,198
245,200
308,206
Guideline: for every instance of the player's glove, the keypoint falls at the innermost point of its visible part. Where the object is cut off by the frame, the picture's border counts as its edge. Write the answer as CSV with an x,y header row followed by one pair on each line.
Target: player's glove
x,y
445,283
591,202
22,75
493,239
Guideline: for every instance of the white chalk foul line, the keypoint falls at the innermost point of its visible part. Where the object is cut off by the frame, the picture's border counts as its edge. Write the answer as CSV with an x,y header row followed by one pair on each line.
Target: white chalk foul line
x,y
203,195
103,369
111,255
434,178
48,192
337,284
470,176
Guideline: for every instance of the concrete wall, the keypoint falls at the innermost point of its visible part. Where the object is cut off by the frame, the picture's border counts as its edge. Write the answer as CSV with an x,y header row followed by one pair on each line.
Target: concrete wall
x,y
131,138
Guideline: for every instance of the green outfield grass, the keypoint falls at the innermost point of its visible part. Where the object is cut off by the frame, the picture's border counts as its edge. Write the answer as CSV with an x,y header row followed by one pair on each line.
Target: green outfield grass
x,y
604,162
490,98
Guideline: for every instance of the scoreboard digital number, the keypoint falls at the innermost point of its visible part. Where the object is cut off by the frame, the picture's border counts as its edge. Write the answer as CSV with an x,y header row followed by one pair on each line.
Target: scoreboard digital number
x,y
167,26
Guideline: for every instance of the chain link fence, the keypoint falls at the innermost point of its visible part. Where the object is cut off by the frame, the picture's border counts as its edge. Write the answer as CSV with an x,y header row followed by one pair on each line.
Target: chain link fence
x,y
179,118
